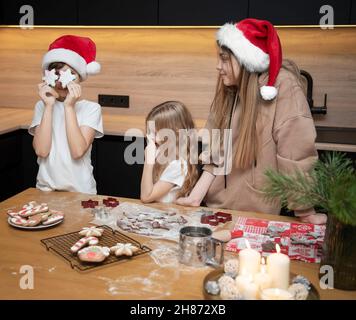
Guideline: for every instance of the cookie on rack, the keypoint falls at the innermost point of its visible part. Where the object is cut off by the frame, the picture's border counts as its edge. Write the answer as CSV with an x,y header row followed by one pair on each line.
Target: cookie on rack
x,y
83,242
124,249
91,232
93,254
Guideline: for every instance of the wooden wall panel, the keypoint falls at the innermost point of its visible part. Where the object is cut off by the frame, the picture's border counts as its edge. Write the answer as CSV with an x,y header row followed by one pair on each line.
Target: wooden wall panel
x,y
153,65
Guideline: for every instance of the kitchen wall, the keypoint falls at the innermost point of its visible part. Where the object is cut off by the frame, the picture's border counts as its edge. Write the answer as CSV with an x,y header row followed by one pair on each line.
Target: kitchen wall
x,y
156,64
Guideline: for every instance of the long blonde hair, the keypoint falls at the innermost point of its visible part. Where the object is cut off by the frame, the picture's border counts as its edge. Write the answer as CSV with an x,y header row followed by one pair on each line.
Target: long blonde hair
x,y
174,115
246,92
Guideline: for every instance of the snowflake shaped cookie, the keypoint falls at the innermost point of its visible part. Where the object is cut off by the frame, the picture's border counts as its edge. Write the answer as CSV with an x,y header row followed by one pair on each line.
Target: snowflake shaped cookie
x,y
124,249
66,77
50,77
91,232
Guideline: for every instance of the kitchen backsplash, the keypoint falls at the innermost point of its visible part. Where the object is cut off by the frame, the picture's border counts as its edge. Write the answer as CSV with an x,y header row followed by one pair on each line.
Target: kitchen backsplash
x,y
155,64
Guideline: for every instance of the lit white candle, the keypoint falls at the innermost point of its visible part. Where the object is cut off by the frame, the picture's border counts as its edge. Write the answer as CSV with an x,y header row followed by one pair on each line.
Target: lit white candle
x,y
248,289
262,279
276,294
278,269
249,260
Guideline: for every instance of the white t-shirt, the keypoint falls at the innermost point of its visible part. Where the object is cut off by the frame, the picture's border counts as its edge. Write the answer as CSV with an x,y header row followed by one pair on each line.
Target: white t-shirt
x,y
59,171
174,173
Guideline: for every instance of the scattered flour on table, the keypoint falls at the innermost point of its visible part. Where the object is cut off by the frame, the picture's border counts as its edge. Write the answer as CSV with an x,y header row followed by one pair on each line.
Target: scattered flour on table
x,y
157,285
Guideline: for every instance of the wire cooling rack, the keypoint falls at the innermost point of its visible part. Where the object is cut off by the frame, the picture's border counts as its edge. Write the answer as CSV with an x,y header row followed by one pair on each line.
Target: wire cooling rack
x,y
61,245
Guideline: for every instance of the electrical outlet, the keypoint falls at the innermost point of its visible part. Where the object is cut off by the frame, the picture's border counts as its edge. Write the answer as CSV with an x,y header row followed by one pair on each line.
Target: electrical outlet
x,y
108,100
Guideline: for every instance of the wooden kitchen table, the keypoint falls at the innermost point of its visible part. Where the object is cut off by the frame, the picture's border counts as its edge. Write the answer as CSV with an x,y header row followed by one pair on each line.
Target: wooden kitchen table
x,y
139,278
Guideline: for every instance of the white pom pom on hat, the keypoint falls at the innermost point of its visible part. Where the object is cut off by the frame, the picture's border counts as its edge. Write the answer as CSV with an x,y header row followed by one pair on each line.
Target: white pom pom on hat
x,y
93,68
78,52
268,92
256,45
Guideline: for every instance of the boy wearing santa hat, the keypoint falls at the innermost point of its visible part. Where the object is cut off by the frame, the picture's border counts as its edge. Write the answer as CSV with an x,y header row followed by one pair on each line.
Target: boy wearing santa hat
x,y
64,126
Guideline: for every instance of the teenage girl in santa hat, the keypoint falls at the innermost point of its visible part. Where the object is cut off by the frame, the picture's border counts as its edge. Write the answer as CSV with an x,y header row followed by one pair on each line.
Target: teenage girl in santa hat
x,y
64,126
261,99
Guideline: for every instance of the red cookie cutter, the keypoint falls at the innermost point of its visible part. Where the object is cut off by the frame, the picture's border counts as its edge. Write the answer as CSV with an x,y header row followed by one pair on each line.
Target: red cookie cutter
x,y
223,216
111,202
90,203
216,218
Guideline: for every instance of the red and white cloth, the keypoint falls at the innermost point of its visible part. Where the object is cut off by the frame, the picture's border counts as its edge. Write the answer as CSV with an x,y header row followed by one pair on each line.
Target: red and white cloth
x,y
300,241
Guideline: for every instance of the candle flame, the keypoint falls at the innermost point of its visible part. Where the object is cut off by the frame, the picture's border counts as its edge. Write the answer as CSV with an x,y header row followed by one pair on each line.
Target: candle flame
x,y
278,248
263,261
247,244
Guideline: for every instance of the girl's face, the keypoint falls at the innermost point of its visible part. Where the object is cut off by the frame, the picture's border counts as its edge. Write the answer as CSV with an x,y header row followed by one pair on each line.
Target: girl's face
x,y
228,67
62,92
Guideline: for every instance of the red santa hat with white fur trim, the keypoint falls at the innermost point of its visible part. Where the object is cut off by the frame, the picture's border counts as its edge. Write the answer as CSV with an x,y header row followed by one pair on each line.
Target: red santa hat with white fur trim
x,y
256,45
78,52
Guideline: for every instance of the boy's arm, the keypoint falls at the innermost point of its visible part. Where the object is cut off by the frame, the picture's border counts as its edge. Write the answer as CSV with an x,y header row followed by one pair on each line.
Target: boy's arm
x,y
79,138
42,140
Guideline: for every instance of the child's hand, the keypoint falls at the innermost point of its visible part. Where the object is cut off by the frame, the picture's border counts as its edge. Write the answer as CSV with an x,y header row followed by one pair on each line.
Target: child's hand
x,y
47,94
150,152
188,202
74,93
317,218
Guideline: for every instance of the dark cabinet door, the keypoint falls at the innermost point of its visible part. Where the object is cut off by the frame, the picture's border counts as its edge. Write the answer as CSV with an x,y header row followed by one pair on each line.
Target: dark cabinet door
x,y
201,12
119,12
353,12
50,12
282,12
11,180
113,175
29,161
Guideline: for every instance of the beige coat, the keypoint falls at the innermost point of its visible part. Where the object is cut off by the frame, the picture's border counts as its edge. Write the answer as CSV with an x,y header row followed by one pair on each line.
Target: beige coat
x,y
288,142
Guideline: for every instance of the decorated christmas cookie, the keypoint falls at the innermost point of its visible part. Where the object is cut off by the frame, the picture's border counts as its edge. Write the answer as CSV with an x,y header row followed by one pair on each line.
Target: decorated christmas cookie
x,y
50,77
29,209
94,254
124,249
18,221
66,77
91,231
83,242
53,217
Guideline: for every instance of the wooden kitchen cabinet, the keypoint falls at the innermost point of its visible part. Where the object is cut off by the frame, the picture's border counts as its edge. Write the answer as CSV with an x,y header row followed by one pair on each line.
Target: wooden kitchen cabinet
x,y
201,12
303,12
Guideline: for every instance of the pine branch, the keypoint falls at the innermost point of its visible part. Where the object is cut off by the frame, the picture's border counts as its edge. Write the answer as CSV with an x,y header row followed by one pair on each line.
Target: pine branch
x,y
331,185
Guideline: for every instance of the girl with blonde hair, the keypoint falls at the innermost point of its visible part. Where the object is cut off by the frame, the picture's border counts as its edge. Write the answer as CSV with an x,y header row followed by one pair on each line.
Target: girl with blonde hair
x,y
168,171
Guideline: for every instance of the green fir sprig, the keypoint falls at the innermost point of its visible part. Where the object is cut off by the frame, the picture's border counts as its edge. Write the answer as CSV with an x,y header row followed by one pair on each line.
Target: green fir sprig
x,y
330,185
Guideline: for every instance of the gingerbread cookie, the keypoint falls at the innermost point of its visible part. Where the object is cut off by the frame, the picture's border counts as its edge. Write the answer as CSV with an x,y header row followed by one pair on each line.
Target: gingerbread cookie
x,y
53,217
124,249
50,77
32,209
91,232
83,242
94,254
34,220
66,77
18,221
